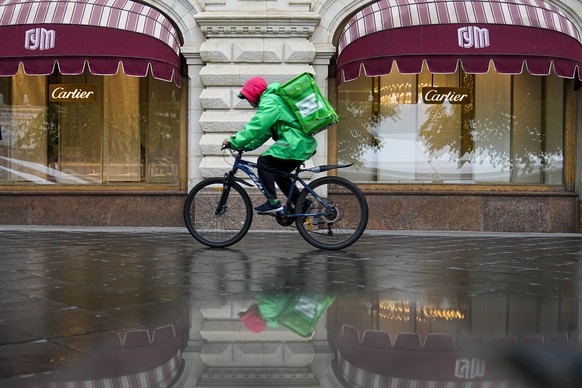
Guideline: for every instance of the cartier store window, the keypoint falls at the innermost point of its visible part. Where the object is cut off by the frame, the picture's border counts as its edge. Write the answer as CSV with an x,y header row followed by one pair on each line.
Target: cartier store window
x,y
509,129
89,130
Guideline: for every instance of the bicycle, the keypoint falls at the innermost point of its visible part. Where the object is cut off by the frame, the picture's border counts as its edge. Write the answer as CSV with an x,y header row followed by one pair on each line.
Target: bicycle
x,y
334,212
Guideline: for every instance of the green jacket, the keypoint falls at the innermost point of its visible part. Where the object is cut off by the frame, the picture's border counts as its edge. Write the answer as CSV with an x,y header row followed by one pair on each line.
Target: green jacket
x,y
297,312
275,119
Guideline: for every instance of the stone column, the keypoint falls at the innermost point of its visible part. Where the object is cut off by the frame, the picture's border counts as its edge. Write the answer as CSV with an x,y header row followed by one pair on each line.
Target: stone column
x,y
194,63
235,356
245,39
324,53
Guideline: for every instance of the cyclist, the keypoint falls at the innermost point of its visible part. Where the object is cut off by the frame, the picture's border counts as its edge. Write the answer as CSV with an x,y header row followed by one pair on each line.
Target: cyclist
x,y
296,311
273,119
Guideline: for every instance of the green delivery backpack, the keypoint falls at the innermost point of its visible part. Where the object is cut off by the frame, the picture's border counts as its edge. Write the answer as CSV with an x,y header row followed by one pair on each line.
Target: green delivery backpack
x,y
311,108
303,312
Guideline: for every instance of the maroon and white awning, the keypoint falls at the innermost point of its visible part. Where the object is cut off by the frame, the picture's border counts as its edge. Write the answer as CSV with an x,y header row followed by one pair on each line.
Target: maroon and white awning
x,y
44,35
515,35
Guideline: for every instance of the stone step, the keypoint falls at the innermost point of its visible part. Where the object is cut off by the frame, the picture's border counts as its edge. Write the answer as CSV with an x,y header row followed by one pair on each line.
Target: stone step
x,y
255,354
257,377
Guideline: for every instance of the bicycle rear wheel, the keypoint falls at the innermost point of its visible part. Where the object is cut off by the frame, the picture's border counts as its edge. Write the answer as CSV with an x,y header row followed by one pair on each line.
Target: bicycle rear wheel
x,y
213,226
339,226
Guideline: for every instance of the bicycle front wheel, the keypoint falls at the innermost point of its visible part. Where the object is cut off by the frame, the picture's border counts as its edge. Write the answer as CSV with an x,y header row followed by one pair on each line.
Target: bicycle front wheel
x,y
340,224
213,224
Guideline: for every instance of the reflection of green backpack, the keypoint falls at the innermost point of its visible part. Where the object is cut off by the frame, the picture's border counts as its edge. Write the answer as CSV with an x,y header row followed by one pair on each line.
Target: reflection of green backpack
x,y
311,108
303,312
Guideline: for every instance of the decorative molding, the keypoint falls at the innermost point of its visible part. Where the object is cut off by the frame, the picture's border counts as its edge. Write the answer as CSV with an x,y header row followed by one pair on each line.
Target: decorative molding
x,y
259,377
275,24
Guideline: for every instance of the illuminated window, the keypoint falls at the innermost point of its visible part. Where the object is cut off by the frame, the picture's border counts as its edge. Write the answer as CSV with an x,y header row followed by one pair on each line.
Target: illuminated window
x,y
130,134
511,132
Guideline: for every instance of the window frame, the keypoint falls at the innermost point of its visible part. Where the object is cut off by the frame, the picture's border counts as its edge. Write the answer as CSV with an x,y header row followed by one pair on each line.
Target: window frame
x,y
123,187
569,138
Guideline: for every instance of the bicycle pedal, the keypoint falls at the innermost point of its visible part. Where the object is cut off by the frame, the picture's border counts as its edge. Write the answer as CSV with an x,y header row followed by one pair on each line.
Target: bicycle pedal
x,y
279,213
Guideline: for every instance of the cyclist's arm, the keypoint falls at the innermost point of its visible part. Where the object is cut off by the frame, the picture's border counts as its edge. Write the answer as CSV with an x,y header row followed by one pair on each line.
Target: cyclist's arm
x,y
257,131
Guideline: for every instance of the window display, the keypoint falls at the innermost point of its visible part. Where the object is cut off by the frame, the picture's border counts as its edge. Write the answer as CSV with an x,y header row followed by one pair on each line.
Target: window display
x,y
508,131
127,132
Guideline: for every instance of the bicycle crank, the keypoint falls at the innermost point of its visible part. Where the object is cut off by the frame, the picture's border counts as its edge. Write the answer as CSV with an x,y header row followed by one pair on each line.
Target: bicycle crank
x,y
283,220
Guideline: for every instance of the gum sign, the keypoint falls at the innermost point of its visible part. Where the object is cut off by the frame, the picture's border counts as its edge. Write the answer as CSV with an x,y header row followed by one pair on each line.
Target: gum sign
x,y
72,93
434,95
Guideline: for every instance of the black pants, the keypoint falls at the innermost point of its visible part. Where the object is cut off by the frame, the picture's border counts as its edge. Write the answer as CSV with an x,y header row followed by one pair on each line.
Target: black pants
x,y
266,166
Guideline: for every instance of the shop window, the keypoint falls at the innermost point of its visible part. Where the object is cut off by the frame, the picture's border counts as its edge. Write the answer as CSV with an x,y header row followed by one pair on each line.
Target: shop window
x,y
129,133
511,132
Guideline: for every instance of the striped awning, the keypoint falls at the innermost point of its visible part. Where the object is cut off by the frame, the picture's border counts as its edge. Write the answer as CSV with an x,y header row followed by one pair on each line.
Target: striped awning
x,y
512,34
101,35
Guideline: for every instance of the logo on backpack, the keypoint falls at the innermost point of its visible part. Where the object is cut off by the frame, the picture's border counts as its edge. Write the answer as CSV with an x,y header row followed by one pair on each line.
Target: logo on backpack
x,y
309,105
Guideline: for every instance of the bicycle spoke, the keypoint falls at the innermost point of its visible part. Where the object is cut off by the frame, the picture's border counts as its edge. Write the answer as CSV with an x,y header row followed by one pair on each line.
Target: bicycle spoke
x,y
342,222
222,228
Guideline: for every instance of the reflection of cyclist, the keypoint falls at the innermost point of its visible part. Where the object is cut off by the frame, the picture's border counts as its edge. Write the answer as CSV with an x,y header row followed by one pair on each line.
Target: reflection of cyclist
x,y
298,312
273,119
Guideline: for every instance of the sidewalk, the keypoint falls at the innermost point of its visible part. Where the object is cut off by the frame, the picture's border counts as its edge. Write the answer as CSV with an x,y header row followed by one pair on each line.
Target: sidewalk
x,y
64,291
183,230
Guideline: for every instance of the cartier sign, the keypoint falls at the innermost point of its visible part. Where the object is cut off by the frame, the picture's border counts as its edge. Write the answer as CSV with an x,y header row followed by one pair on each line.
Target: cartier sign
x,y
72,93
438,95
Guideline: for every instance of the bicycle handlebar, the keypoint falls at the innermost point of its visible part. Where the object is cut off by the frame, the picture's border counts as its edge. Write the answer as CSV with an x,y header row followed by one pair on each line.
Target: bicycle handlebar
x,y
315,169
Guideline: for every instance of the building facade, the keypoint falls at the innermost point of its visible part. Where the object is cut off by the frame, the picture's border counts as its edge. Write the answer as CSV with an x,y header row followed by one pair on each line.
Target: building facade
x,y
456,115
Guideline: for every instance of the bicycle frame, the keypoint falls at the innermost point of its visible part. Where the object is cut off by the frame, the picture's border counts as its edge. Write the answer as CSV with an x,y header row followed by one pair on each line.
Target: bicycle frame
x,y
247,166
335,224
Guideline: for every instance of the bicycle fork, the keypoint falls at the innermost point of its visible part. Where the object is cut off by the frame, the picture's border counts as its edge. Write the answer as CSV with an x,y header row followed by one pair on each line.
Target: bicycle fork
x,y
221,207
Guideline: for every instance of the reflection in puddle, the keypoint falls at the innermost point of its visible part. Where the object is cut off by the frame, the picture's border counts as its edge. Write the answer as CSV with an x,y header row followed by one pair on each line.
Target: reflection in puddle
x,y
485,341
312,339
112,317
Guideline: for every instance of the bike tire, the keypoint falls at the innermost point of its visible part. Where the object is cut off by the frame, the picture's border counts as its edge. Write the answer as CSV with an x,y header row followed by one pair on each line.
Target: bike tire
x,y
225,228
341,227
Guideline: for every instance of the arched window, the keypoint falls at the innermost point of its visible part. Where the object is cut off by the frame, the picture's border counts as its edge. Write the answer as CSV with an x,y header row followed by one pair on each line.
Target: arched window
x,y
474,129
469,92
89,94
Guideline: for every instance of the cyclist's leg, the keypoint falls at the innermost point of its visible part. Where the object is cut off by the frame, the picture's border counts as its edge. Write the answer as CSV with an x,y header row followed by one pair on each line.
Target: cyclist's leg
x,y
285,183
267,169
266,172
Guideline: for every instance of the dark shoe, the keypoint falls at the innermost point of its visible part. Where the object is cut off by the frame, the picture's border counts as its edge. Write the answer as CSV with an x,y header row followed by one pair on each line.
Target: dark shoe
x,y
268,208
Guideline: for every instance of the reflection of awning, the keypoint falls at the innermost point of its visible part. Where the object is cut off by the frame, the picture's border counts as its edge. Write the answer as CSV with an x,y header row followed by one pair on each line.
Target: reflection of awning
x,y
515,35
44,34
369,358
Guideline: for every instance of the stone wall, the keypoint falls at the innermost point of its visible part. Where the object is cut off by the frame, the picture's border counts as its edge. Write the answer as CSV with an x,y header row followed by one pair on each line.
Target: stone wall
x,y
542,213
225,43
547,213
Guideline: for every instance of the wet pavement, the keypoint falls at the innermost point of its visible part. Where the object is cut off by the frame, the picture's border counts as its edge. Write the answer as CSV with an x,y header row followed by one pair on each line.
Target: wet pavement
x,y
151,307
